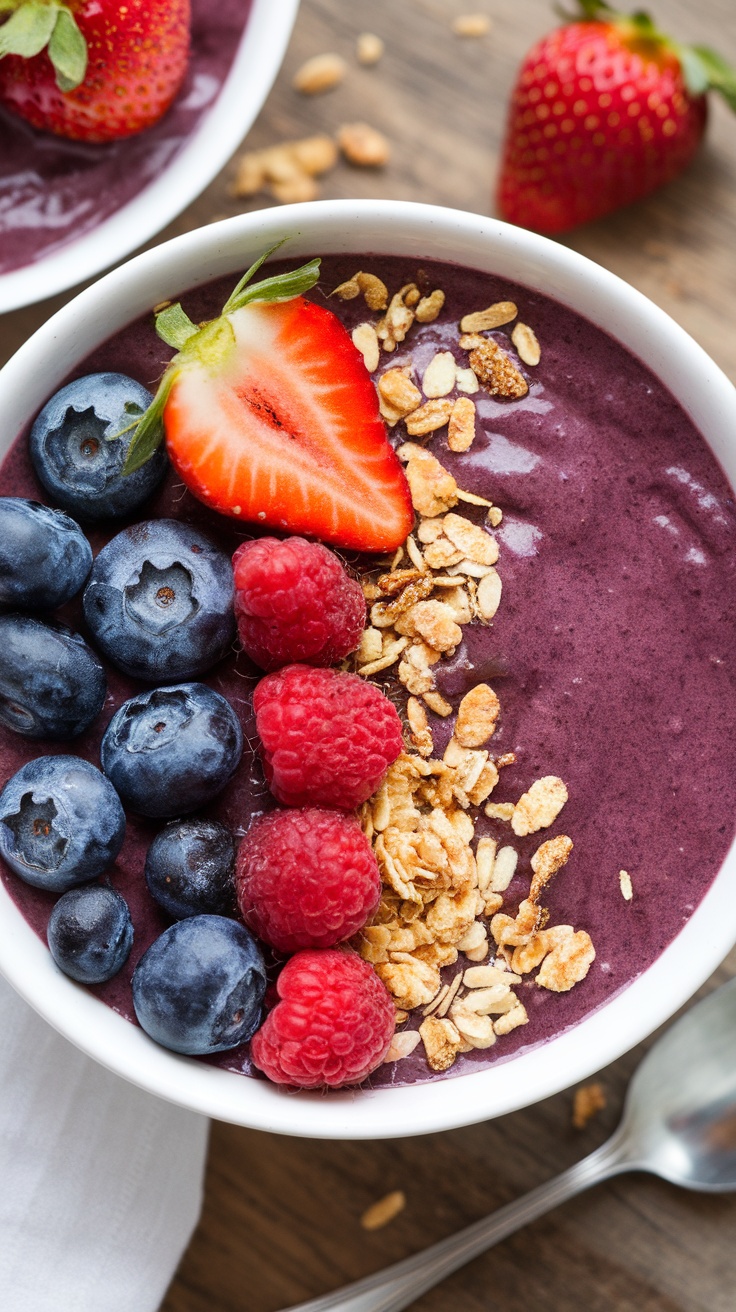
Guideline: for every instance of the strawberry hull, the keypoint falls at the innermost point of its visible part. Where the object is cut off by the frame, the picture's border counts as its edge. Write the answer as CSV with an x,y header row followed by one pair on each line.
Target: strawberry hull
x,y
611,652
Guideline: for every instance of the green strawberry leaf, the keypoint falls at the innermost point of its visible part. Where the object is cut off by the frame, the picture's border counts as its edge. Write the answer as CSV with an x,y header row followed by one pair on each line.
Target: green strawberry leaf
x,y
720,76
282,287
174,326
693,70
230,303
68,51
28,30
149,432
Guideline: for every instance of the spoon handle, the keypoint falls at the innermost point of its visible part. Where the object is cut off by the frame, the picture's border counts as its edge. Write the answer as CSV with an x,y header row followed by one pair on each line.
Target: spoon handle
x,y
399,1285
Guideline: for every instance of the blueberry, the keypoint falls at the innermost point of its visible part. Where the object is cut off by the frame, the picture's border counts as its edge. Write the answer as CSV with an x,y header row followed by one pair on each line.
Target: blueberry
x,y
170,750
190,869
74,458
159,601
61,823
200,986
51,684
90,933
44,555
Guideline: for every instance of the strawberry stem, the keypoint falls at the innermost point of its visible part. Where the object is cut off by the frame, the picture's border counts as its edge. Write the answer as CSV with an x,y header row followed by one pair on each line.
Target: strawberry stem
x,y
36,25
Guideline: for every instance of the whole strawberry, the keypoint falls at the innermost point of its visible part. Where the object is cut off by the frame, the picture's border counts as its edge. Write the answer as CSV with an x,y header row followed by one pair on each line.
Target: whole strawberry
x,y
93,70
604,111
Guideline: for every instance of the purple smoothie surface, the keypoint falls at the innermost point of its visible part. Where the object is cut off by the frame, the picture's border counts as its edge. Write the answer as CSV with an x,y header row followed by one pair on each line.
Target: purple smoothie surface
x,y
54,191
612,652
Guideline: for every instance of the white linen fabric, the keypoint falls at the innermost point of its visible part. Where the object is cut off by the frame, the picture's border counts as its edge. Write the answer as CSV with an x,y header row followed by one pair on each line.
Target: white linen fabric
x,y
100,1183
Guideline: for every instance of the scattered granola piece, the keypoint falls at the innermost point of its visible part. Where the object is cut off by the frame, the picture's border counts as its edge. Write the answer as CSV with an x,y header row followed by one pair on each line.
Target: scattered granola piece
x,y
627,888
294,190
466,380
471,25
398,395
450,996
320,73
483,977
390,654
363,145
478,1030
587,1102
437,703
441,553
512,1020
547,860
497,371
568,963
433,489
412,982
476,716
402,1045
399,317
527,346
472,499
484,320
421,734
539,806
288,161
428,307
441,1042
439,376
488,596
504,869
429,531
364,337
495,515
429,417
433,621
461,427
347,291
384,1211
397,579
375,291
470,340
369,48
500,811
476,545
370,647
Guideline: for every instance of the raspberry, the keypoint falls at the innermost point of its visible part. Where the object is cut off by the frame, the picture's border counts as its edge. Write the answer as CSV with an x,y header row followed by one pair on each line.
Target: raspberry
x,y
306,878
327,738
333,1025
295,602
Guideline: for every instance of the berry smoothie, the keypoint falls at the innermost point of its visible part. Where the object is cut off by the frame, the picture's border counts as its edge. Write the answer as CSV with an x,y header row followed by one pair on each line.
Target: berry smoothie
x,y
53,191
611,654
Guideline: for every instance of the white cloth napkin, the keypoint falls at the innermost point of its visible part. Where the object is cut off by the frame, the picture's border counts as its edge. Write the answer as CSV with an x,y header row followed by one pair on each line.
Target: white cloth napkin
x,y
100,1184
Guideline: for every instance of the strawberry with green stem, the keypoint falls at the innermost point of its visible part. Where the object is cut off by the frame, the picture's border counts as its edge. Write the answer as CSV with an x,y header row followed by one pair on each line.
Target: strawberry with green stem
x,y
271,417
92,70
605,109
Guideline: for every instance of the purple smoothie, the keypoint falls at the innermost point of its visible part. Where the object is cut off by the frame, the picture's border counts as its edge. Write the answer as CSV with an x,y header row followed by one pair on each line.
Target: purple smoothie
x,y
611,653
53,191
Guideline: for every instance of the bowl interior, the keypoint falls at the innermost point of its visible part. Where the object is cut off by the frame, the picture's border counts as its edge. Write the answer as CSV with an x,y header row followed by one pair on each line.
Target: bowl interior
x,y
422,232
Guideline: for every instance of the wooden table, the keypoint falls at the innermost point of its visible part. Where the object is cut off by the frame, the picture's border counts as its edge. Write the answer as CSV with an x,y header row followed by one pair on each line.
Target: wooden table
x,y
281,1219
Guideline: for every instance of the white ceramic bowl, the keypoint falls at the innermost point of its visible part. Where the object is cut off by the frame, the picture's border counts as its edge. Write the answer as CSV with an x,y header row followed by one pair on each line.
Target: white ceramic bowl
x,y
218,133
423,232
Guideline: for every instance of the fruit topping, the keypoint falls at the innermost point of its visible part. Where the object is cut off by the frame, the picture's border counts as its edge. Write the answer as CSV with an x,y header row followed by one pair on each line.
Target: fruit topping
x,y
44,555
200,986
604,111
306,878
90,933
51,684
61,823
73,453
93,70
294,601
327,738
332,1026
159,601
271,416
190,869
170,750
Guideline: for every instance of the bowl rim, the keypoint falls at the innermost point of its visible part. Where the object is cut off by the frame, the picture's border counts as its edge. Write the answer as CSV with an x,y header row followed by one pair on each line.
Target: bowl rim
x,y
261,49
631,1014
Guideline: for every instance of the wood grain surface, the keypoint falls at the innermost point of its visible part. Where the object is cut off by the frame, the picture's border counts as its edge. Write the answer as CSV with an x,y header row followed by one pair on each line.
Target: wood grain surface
x,y
281,1218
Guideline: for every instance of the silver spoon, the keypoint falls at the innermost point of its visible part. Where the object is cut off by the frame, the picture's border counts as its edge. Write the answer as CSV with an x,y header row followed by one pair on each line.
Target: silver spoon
x,y
679,1123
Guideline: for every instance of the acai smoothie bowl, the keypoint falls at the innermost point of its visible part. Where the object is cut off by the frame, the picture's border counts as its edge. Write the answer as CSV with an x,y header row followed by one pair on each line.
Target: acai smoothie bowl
x,y
367,707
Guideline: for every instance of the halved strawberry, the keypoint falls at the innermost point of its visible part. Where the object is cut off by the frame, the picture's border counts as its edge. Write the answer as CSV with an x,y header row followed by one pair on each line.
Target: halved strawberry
x,y
271,416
